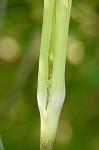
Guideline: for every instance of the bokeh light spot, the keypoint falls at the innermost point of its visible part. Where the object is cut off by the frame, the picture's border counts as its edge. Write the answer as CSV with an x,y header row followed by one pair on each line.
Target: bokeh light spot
x,y
75,52
9,49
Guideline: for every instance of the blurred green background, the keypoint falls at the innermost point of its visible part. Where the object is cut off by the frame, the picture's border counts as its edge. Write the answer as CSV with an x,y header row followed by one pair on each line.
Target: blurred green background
x,y
20,33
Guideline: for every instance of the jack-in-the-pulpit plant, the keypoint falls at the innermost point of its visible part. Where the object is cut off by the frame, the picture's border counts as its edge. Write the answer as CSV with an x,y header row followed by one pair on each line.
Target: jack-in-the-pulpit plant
x,y
51,76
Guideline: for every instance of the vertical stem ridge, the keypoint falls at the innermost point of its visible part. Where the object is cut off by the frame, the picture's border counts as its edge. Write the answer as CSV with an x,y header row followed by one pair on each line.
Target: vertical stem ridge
x,y
50,55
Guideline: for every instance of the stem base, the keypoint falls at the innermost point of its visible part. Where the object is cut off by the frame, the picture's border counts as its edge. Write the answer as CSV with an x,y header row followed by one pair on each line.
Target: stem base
x,y
47,145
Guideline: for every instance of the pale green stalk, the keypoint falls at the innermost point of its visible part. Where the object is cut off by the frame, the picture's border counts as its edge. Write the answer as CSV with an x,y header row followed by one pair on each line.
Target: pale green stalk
x,y
1,145
51,77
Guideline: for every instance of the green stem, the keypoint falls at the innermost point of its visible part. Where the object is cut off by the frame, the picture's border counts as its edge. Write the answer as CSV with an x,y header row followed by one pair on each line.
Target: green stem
x,y
51,79
49,145
48,132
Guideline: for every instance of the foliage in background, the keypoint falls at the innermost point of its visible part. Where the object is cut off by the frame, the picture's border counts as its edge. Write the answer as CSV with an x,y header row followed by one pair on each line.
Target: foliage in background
x,y
19,118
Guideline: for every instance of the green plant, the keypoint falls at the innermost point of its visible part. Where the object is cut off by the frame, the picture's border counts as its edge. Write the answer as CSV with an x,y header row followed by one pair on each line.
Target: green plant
x,y
51,78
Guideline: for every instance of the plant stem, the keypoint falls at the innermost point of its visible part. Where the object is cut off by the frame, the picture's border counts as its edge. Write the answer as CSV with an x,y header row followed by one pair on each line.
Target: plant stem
x,y
51,79
49,145
49,125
